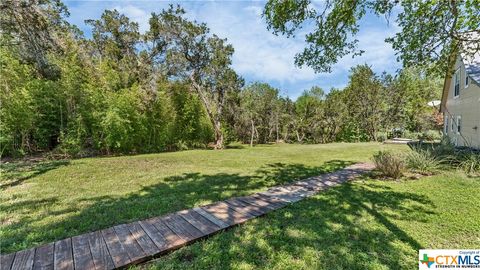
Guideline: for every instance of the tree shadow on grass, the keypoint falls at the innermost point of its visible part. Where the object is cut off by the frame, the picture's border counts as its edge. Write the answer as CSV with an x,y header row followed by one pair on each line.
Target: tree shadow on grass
x,y
352,226
34,227
16,173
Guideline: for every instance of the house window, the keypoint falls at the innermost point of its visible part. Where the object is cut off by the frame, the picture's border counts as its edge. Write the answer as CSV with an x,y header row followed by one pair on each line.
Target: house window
x,y
466,80
457,83
459,124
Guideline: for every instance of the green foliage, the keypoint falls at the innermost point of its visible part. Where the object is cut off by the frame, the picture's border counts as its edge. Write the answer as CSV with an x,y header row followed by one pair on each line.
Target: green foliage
x,y
422,161
470,163
389,164
381,136
431,135
174,88
424,40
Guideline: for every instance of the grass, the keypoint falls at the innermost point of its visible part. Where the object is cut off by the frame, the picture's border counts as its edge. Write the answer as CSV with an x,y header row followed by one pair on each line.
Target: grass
x,y
45,201
367,224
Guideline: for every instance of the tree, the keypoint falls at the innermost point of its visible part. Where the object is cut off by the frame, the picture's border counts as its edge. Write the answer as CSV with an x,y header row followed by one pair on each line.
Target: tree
x,y
260,111
203,60
431,31
308,114
33,27
364,97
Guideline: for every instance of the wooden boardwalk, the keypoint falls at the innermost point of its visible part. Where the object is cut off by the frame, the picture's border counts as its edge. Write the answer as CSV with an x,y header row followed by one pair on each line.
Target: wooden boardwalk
x,y
132,243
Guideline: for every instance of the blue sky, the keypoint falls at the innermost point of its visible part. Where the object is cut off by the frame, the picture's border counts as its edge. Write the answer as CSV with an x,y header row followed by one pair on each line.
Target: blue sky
x,y
259,55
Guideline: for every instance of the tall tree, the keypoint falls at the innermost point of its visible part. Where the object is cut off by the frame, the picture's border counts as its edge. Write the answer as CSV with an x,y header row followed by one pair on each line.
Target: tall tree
x,y
34,28
202,59
365,100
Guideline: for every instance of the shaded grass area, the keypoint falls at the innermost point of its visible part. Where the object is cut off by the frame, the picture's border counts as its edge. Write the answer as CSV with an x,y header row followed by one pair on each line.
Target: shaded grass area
x,y
365,224
51,200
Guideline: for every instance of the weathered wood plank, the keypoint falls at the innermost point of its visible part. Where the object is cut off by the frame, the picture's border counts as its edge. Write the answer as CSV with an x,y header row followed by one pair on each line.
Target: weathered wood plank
x,y
63,257
273,201
82,257
173,240
241,210
129,243
157,238
44,257
199,222
210,217
147,245
6,261
258,202
117,251
226,214
242,206
181,227
100,255
23,260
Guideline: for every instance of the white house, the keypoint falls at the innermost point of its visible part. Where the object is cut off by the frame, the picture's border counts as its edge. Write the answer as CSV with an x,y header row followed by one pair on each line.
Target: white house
x,y
461,102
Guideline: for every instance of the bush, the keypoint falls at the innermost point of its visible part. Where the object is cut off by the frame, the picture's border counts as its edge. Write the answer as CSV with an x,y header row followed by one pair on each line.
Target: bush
x,y
422,161
389,164
381,136
412,135
431,135
444,149
470,163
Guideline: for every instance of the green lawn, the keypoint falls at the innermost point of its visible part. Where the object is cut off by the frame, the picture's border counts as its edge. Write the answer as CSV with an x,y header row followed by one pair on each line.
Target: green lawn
x,y
367,224
48,201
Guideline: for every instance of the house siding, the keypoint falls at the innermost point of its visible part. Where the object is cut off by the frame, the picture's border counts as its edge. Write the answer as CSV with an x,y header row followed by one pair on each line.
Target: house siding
x,y
467,106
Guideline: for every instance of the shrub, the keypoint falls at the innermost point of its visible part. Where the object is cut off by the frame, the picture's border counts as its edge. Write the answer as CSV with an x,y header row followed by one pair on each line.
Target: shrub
x,y
445,148
389,164
431,135
422,161
381,136
470,163
412,135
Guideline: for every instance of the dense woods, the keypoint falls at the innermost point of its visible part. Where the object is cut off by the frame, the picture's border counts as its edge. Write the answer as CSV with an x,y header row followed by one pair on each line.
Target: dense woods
x,y
171,88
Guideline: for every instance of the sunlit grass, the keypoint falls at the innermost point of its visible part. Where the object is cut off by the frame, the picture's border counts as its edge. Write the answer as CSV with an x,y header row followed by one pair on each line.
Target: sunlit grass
x,y
368,224
47,201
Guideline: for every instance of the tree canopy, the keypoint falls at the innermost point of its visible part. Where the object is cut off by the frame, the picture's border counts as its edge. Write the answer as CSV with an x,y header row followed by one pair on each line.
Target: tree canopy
x,y
431,31
172,88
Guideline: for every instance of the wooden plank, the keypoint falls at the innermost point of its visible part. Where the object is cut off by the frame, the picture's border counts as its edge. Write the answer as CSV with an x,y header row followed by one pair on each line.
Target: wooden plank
x,y
181,227
157,238
211,218
23,260
253,210
226,214
173,240
6,261
199,222
117,251
82,257
63,257
242,210
273,200
147,245
44,257
262,206
258,202
100,255
129,243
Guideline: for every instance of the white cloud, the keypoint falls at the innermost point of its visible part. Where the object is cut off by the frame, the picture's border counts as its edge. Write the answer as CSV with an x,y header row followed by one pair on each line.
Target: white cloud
x,y
136,14
260,55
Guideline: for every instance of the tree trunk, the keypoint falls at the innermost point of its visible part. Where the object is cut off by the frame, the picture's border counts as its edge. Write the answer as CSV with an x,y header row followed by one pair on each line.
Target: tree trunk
x,y
276,131
252,133
218,135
